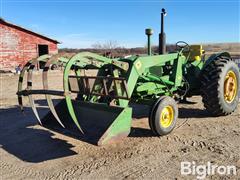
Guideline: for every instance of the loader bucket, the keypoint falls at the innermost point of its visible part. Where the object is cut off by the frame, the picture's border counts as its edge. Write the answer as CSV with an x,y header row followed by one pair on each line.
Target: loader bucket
x,y
101,124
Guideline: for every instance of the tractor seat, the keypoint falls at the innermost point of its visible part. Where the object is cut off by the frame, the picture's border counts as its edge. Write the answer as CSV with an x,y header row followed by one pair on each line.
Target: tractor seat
x,y
196,53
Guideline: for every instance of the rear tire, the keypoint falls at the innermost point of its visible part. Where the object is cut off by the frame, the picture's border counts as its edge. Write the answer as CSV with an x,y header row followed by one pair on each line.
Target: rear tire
x,y
163,116
220,86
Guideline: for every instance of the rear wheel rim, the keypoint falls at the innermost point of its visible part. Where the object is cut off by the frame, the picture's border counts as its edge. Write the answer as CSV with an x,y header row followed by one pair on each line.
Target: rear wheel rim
x,y
230,87
166,116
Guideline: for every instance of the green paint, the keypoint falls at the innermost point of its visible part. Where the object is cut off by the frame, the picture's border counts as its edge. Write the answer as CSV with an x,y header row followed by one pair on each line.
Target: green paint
x,y
148,77
120,127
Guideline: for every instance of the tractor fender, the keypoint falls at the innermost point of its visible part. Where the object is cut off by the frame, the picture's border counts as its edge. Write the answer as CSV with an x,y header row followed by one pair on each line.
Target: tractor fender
x,y
213,57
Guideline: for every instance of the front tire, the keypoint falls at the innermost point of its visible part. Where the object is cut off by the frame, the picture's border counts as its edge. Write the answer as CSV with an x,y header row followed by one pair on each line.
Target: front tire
x,y
220,86
163,116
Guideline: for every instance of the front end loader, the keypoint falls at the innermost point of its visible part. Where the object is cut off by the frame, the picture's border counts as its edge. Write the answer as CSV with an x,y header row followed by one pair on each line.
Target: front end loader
x,y
159,80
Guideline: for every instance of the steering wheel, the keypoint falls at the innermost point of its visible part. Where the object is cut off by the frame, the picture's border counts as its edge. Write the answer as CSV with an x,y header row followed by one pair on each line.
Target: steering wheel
x,y
182,46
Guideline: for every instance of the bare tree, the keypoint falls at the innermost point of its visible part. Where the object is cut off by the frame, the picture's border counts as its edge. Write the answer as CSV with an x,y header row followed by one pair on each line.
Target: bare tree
x,y
97,45
109,47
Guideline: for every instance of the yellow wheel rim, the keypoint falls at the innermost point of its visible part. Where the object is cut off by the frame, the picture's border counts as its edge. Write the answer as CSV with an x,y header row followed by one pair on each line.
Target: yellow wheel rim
x,y
230,87
167,116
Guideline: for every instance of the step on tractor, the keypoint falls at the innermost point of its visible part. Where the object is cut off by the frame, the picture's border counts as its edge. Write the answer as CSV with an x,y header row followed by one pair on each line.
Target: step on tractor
x,y
158,80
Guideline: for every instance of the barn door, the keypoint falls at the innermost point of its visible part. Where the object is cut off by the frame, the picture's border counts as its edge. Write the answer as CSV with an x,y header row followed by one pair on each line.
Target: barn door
x,y
42,49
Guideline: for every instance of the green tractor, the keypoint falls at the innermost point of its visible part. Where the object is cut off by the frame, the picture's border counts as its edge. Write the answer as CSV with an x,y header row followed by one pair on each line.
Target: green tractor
x,y
159,80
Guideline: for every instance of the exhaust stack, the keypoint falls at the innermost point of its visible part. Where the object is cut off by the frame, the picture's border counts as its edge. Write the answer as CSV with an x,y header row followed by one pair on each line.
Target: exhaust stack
x,y
162,35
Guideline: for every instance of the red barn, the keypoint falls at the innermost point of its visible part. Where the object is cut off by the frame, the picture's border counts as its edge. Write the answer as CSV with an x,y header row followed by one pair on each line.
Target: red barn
x,y
18,45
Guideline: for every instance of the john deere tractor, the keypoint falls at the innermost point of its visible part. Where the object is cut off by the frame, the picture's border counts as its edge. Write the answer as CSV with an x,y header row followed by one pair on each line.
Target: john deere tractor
x,y
159,80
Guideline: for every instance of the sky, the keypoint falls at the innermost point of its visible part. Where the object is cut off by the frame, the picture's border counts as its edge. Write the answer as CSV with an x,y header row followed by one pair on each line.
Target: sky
x,y
82,23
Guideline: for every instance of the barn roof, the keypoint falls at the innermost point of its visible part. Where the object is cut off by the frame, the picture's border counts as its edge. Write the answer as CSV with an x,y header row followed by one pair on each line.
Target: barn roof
x,y
2,21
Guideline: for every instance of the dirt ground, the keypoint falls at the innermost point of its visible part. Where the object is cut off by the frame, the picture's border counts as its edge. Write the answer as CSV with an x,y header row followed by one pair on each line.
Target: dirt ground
x,y
29,151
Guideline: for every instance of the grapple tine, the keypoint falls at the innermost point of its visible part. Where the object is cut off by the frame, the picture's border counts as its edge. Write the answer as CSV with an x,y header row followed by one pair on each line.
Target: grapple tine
x,y
29,87
52,109
20,103
48,97
72,113
67,95
20,83
32,104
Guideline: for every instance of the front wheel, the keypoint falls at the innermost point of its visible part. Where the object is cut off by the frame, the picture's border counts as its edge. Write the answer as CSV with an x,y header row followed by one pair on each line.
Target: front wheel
x,y
163,116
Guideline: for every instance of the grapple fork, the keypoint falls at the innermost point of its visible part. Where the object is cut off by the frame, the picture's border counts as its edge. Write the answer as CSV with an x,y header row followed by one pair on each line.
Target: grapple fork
x,y
29,67
106,97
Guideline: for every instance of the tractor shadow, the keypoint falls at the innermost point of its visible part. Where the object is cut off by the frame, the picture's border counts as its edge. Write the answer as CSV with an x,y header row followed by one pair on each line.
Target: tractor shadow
x,y
141,111
93,123
193,113
20,137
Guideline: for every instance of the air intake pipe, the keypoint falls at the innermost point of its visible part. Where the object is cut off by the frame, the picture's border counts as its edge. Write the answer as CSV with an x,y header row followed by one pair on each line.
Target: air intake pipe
x,y
162,35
